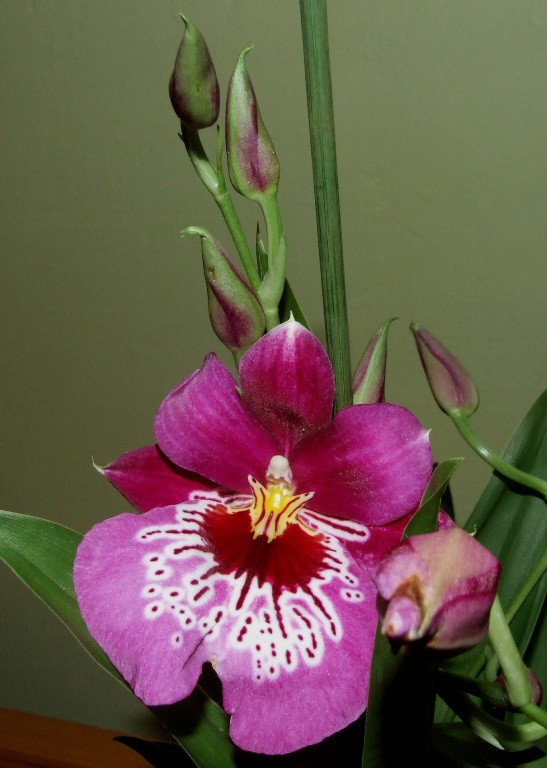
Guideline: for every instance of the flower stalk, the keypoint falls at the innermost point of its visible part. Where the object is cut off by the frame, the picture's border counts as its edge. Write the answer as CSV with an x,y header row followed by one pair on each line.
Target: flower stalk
x,y
512,665
499,464
313,14
214,182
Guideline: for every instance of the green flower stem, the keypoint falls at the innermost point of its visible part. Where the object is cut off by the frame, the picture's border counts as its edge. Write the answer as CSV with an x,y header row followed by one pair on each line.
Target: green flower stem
x,y
535,713
213,179
495,461
510,661
313,14
273,283
493,693
531,580
492,730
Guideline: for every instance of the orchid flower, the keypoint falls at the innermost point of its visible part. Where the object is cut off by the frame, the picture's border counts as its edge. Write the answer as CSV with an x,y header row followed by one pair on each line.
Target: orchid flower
x,y
264,518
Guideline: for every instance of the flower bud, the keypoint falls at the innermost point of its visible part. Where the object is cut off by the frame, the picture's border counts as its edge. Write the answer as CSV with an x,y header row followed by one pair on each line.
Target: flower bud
x,y
535,686
252,162
437,589
235,312
369,379
193,87
450,383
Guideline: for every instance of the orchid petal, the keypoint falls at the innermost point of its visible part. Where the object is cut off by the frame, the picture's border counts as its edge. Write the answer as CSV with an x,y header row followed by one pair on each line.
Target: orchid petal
x,y
131,604
204,427
166,591
312,702
371,464
147,479
287,382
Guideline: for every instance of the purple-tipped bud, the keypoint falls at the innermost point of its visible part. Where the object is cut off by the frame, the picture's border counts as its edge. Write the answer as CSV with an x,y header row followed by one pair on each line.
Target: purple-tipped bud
x,y
450,382
437,589
235,312
535,686
369,379
252,162
193,87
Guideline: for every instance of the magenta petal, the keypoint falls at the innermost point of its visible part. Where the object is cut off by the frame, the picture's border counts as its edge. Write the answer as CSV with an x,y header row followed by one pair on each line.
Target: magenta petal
x,y
203,426
370,464
313,701
287,382
131,594
147,479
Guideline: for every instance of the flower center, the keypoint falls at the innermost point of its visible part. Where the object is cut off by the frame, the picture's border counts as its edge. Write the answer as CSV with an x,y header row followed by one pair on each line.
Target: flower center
x,y
275,505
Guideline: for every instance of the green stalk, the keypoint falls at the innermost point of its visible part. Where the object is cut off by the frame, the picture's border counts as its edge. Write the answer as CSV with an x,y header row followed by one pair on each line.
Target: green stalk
x,y
313,14
510,661
213,179
496,462
273,283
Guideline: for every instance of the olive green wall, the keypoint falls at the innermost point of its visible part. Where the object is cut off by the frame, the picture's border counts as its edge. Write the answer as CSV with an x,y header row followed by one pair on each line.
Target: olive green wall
x,y
441,128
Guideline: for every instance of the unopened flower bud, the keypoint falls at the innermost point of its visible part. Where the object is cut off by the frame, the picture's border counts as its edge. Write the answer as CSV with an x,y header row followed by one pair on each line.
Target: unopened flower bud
x,y
193,87
369,379
450,382
535,686
252,162
235,312
437,589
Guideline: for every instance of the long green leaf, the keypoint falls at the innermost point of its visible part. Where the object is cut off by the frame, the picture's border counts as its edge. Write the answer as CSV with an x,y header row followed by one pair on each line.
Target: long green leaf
x,y
42,554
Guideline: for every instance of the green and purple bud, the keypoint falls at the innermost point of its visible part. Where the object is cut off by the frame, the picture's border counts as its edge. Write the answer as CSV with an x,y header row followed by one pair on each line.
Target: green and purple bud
x,y
234,309
368,383
252,161
535,686
450,382
193,87
436,589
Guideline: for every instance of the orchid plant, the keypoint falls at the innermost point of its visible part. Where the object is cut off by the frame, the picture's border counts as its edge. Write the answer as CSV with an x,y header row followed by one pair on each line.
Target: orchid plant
x,y
294,537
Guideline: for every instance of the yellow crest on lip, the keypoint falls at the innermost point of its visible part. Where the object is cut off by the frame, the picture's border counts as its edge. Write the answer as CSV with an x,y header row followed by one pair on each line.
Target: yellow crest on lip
x,y
274,507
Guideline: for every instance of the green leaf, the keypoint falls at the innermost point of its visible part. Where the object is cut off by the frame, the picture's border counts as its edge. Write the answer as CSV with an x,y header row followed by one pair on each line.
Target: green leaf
x,y
42,554
425,519
511,522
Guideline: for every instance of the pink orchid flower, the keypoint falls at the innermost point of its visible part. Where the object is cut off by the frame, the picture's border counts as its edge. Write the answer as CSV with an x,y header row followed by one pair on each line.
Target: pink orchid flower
x,y
264,518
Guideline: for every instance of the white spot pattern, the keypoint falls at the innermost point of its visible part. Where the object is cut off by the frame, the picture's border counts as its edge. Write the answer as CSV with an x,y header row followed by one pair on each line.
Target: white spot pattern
x,y
280,632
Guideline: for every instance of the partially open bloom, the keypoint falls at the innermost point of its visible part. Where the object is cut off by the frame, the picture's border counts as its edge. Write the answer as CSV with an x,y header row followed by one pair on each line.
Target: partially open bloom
x,y
437,589
264,517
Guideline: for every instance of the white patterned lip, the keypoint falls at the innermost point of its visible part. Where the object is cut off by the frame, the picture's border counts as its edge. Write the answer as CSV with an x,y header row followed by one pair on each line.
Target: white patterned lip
x,y
207,576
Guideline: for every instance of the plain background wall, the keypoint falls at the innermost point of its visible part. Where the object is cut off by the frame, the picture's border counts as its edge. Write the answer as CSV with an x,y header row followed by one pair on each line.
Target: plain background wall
x,y
441,128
